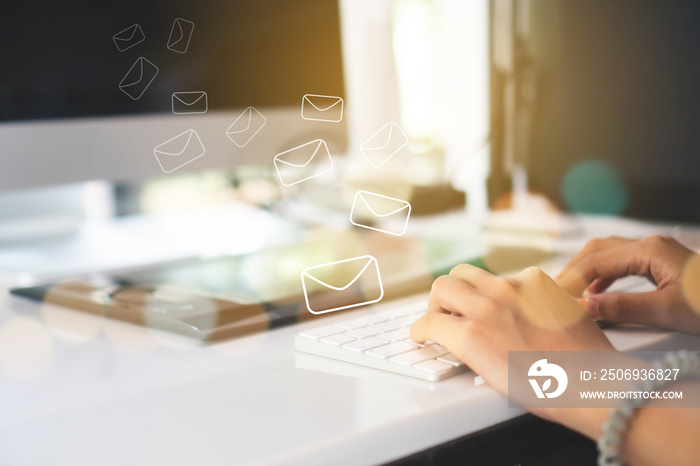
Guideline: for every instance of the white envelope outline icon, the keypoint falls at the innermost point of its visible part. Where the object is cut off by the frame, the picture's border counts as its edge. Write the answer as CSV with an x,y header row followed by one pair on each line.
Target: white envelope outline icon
x,y
378,206
322,108
129,37
180,35
190,102
179,151
292,172
384,144
246,126
138,78
366,264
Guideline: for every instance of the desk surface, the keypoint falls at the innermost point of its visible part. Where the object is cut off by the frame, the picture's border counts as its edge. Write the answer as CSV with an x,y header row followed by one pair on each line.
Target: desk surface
x,y
81,390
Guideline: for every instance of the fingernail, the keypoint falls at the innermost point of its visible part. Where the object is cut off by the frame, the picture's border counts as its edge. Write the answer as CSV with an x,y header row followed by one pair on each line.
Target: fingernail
x,y
590,305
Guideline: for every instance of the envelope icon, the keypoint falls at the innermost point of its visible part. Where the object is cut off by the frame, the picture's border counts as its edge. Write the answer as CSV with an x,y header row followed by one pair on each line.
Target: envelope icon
x,y
246,126
342,284
180,35
368,208
190,102
179,151
138,78
322,108
303,162
133,35
384,144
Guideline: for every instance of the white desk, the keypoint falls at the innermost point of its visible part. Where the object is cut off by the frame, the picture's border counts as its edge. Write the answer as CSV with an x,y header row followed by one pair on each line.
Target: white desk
x,y
82,391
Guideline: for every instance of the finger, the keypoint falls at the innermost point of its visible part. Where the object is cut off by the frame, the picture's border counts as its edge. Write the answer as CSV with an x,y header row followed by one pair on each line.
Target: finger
x,y
492,286
463,338
471,274
451,295
641,308
544,304
592,247
446,293
599,285
442,328
612,263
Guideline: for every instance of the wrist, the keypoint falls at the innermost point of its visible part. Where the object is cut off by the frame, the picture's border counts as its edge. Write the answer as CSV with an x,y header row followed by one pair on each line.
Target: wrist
x,y
614,430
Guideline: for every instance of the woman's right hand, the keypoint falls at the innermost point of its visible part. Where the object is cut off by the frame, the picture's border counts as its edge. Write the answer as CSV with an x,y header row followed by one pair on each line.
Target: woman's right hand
x,y
674,269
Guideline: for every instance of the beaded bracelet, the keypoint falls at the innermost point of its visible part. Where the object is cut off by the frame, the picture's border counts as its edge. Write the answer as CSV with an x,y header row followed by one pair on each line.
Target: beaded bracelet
x,y
614,429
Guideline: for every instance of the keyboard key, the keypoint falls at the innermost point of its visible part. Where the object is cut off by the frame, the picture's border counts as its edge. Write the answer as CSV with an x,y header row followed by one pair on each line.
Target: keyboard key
x,y
356,341
416,356
433,366
395,335
351,324
360,333
407,320
427,343
366,344
338,339
391,350
321,332
373,318
450,359
398,312
385,327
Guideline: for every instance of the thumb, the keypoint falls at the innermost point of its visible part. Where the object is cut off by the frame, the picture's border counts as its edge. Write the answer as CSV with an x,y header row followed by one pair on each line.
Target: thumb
x,y
640,308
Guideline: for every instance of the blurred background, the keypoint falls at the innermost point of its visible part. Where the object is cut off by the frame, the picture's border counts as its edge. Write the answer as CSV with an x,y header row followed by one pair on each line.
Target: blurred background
x,y
517,114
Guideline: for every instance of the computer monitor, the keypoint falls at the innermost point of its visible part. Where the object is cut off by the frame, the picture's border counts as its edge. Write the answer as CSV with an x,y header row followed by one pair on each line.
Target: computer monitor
x,y
70,111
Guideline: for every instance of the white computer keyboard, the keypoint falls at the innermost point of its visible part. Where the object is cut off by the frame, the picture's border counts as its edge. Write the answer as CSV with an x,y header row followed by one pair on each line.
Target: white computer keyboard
x,y
380,340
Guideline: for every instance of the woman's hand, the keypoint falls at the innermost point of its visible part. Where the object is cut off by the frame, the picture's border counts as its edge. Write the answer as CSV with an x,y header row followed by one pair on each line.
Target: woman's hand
x,y
674,269
480,317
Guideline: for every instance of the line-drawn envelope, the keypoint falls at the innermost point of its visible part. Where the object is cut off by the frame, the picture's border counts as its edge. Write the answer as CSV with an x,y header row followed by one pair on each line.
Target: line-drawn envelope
x,y
190,102
322,108
384,144
133,35
246,126
368,208
303,162
179,151
138,78
342,284
180,35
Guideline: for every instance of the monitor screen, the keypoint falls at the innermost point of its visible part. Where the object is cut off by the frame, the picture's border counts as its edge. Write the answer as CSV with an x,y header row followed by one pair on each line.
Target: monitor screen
x,y
89,89
67,59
